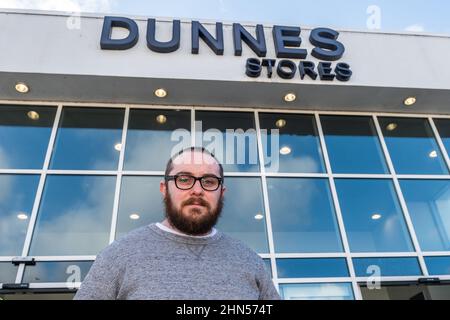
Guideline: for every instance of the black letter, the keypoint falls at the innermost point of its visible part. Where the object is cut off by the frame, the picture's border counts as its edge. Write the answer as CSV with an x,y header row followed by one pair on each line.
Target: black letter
x,y
325,38
325,71
269,63
106,43
216,45
163,47
286,64
253,68
258,45
307,68
343,72
288,37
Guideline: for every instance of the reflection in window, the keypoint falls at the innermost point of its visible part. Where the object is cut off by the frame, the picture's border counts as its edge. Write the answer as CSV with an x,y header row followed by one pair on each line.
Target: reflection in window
x,y
353,145
443,126
428,203
24,136
372,216
243,215
412,146
153,136
8,272
75,215
438,265
312,268
296,146
61,271
17,194
230,136
386,267
88,139
268,265
302,214
140,203
316,291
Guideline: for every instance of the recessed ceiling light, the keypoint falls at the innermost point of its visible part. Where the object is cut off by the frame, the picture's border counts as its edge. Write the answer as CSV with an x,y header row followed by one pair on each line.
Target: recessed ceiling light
x,y
289,97
160,93
161,119
433,154
391,126
118,146
409,101
285,150
280,123
33,115
22,216
376,216
134,216
22,87
259,216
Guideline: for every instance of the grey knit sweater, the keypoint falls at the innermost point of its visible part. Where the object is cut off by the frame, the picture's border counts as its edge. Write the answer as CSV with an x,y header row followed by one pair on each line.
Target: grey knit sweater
x,y
150,263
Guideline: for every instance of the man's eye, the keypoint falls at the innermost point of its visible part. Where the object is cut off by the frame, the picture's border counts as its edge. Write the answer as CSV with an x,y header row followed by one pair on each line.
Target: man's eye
x,y
184,179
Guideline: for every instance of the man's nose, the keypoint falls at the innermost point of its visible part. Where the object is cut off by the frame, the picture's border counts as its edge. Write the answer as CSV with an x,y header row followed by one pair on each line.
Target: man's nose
x,y
197,188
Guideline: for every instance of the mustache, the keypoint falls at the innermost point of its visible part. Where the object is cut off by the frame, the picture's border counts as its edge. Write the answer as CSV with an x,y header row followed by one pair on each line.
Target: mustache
x,y
198,201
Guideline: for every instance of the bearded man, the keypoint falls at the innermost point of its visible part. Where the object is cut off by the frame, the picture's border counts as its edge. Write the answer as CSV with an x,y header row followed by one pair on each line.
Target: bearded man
x,y
184,256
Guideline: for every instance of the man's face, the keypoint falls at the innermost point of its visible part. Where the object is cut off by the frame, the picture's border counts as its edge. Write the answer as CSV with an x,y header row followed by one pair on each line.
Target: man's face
x,y
194,211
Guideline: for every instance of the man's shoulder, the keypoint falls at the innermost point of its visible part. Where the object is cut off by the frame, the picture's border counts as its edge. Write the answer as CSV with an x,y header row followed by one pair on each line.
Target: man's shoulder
x,y
128,243
239,247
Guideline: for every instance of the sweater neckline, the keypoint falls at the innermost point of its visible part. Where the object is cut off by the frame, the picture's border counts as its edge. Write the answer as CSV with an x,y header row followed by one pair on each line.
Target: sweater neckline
x,y
185,239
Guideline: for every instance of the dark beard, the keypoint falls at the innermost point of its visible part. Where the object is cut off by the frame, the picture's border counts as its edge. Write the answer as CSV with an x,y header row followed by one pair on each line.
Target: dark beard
x,y
192,227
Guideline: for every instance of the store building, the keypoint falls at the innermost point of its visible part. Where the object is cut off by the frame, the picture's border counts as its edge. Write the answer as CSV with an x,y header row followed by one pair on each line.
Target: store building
x,y
352,192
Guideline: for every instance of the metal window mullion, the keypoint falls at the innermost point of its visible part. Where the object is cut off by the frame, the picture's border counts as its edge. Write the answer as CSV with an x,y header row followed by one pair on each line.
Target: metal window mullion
x,y
266,201
339,217
193,133
400,197
115,212
440,142
40,189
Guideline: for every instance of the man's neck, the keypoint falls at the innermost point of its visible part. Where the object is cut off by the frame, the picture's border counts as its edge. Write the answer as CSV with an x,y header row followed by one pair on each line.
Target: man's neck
x,y
167,224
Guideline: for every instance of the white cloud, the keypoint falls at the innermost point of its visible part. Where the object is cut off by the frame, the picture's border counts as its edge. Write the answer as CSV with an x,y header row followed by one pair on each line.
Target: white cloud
x,y
60,5
415,28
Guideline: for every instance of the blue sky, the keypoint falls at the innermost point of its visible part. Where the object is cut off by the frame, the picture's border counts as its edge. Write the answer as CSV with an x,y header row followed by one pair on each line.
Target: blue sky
x,y
430,16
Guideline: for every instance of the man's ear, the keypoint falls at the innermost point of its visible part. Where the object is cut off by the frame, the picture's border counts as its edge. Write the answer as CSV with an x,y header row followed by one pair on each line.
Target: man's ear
x,y
222,192
163,188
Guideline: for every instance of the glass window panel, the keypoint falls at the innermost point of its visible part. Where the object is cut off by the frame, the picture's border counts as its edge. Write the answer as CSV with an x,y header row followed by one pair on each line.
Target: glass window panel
x,y
302,215
443,126
353,145
88,139
316,291
61,271
438,265
140,203
296,146
428,203
243,215
8,272
231,136
268,266
412,146
312,268
17,193
372,216
366,267
153,135
74,216
24,136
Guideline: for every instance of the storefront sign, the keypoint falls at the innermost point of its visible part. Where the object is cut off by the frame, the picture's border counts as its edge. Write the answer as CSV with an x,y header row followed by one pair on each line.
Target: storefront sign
x,y
287,42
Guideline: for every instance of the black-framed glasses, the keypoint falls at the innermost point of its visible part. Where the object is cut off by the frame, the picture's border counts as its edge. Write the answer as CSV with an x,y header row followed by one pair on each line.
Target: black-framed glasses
x,y
187,181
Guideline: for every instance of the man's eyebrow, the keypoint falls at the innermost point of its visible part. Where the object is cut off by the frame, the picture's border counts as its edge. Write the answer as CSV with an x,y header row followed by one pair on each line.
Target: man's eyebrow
x,y
190,173
185,172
